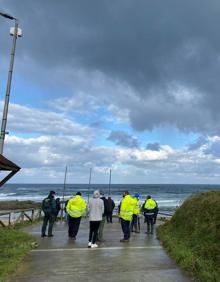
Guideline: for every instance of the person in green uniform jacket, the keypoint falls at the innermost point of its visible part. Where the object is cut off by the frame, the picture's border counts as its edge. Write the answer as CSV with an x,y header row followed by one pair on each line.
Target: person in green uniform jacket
x,y
49,208
126,214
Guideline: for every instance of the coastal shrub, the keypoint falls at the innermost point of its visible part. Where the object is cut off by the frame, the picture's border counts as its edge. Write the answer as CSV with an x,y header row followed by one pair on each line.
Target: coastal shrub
x,y
192,236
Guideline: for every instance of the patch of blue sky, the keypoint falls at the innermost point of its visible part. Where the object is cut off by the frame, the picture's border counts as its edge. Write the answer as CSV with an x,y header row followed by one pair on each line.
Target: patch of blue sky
x,y
167,136
162,135
102,141
94,118
26,93
24,135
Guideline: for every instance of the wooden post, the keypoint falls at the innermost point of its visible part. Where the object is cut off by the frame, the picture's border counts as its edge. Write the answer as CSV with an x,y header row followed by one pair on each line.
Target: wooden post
x,y
9,218
22,216
32,215
2,224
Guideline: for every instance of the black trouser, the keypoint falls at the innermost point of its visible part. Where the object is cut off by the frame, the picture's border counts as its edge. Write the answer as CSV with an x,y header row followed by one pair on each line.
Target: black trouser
x,y
125,225
134,222
109,216
94,227
51,218
150,223
74,223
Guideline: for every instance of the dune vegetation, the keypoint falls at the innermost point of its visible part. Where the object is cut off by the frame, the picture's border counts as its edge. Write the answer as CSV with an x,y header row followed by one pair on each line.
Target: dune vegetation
x,y
17,205
192,236
14,246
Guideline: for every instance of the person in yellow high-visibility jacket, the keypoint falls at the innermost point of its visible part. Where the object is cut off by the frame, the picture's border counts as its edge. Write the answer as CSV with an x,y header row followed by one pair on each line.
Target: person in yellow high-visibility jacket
x,y
126,214
137,211
149,208
75,208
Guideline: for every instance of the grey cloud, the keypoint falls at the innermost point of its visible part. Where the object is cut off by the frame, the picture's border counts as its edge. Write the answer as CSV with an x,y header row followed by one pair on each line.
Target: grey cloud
x,y
123,139
198,143
152,46
31,120
50,154
55,151
153,146
213,149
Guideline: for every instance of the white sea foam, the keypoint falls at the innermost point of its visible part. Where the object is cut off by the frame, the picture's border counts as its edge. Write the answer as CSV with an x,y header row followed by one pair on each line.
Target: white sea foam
x,y
2,195
22,198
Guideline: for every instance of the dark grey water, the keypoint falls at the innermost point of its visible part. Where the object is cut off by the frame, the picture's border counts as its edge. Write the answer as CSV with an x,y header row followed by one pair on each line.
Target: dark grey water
x,y
167,196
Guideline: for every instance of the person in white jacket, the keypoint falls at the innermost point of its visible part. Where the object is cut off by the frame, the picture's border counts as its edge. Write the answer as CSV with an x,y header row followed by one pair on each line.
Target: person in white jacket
x,y
96,210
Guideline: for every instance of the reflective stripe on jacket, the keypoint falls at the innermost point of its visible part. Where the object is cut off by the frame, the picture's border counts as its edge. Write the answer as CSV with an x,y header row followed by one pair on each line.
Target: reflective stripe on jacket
x,y
76,206
137,210
127,208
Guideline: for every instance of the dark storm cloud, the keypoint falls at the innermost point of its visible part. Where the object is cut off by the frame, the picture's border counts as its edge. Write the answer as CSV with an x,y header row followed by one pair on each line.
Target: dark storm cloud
x,y
166,52
123,139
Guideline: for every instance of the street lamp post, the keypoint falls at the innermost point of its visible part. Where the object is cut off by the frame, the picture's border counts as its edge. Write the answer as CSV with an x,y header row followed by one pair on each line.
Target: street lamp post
x,y
15,32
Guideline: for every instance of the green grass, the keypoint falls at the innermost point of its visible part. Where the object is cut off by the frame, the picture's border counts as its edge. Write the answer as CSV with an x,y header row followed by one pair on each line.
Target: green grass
x,y
14,246
192,236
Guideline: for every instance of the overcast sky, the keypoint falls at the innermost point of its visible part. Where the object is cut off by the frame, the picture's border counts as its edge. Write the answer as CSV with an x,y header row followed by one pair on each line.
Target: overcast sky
x,y
129,85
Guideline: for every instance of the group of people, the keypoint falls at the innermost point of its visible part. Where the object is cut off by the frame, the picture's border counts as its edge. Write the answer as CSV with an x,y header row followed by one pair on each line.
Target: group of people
x,y
100,209
129,211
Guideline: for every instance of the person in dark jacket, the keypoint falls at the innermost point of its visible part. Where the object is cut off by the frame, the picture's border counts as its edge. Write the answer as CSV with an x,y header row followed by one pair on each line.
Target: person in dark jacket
x,y
49,209
102,223
58,207
111,206
149,209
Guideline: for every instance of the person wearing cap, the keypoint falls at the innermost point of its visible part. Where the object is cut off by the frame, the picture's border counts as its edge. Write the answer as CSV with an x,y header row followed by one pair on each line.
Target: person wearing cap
x,y
49,208
102,223
126,213
149,208
96,210
75,208
134,223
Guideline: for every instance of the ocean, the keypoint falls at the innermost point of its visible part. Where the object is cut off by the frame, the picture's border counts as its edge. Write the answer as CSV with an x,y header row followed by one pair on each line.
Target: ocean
x,y
168,196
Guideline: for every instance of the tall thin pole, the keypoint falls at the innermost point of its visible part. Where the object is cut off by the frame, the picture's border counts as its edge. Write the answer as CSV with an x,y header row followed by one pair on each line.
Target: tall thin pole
x,y
90,176
109,184
64,190
8,88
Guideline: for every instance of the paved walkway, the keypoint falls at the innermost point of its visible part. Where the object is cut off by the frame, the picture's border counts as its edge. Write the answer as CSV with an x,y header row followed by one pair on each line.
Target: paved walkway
x,y
62,259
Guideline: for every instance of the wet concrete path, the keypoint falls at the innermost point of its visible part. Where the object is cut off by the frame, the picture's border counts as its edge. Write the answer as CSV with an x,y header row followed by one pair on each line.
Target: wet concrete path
x,y
61,259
